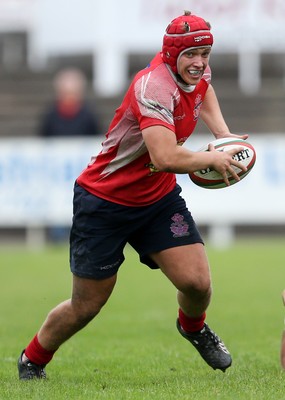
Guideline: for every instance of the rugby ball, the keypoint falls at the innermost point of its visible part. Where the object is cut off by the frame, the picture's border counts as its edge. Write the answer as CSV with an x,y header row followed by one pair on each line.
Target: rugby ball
x,y
211,179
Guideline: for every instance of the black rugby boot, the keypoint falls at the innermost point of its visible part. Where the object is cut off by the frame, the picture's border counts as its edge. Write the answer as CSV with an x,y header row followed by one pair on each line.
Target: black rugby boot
x,y
210,347
28,370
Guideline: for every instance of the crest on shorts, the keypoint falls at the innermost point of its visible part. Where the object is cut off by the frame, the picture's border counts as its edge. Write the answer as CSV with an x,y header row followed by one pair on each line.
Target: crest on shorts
x,y
179,227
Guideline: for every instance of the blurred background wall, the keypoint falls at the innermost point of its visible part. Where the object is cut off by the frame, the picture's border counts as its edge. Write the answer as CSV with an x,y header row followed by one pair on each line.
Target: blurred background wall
x,y
109,41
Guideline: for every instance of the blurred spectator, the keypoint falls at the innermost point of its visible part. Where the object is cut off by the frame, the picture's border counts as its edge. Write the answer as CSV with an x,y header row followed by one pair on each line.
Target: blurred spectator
x,y
69,115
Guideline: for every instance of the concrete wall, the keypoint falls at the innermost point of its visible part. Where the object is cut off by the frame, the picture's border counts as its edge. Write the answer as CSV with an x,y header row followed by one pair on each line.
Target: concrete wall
x,y
112,29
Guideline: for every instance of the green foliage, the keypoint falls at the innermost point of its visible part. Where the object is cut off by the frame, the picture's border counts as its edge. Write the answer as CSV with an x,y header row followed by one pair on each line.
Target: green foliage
x,y
132,350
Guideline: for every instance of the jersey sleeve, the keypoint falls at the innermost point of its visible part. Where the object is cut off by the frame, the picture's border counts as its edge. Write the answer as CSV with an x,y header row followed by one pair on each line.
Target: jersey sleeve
x,y
155,96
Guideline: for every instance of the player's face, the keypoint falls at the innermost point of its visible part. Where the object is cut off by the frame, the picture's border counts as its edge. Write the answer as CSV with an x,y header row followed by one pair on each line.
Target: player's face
x,y
192,64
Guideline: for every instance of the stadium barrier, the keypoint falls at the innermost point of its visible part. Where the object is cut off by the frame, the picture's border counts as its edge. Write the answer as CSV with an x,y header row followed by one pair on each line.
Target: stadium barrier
x,y
37,177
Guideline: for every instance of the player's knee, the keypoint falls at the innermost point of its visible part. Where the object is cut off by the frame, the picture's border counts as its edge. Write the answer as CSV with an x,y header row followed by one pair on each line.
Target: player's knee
x,y
84,312
200,286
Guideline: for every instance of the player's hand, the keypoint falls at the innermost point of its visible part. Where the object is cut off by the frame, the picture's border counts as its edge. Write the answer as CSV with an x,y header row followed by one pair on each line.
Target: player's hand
x,y
223,162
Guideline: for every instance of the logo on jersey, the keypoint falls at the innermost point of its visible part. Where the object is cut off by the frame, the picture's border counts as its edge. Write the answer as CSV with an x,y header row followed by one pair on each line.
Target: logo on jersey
x,y
179,117
197,107
179,227
152,169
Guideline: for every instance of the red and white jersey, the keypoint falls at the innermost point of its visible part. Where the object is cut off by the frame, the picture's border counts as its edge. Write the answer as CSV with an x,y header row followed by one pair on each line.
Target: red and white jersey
x,y
122,172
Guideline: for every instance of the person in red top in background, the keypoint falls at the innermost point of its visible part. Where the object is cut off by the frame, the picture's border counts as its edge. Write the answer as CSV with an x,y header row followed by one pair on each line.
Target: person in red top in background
x,y
69,114
128,194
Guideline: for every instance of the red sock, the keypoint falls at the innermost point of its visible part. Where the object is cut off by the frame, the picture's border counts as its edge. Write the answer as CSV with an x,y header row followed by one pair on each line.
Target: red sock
x,y
191,324
37,354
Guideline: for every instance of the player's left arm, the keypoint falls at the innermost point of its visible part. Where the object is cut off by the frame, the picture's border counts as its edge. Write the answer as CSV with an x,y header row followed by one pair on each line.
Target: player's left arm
x,y
212,116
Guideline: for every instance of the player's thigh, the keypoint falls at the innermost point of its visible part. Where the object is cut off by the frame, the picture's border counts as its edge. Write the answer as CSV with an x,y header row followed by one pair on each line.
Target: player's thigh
x,y
89,295
186,266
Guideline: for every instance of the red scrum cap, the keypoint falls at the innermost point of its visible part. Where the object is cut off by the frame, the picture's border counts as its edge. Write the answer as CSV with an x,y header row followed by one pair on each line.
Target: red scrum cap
x,y
182,33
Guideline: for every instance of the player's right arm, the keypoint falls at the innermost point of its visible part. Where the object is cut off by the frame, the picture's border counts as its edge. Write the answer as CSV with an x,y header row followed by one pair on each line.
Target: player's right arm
x,y
167,156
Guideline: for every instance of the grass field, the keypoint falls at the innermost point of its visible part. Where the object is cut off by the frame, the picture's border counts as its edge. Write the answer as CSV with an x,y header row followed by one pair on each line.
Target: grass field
x,y
132,350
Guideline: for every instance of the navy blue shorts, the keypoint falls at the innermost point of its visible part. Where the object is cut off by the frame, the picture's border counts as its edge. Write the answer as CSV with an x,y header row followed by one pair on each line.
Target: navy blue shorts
x,y
101,229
